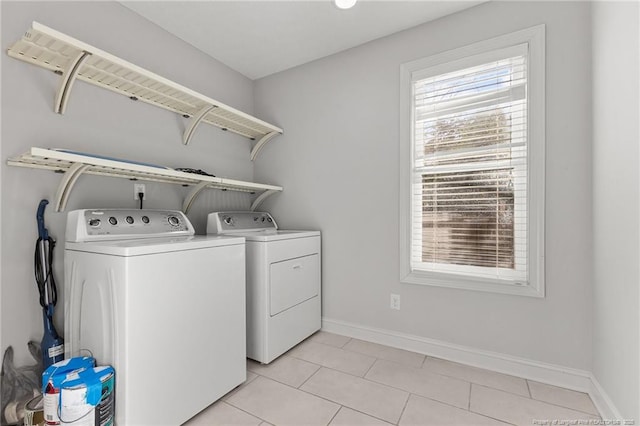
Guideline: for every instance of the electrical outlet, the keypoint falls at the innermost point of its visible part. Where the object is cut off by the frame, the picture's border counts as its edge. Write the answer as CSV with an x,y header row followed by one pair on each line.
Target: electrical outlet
x,y
138,188
395,301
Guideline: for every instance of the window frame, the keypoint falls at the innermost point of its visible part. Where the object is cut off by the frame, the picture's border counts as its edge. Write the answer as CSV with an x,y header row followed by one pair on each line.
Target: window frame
x,y
459,58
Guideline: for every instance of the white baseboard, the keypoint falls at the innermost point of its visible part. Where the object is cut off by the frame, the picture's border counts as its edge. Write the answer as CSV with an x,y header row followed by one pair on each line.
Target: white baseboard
x,y
570,378
601,400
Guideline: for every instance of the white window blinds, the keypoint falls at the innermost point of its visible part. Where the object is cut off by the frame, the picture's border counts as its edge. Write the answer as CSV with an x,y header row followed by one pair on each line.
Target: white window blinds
x,y
469,175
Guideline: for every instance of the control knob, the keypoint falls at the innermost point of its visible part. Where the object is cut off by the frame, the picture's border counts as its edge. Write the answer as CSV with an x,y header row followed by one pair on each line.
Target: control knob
x,y
173,221
129,220
145,219
228,220
113,220
94,223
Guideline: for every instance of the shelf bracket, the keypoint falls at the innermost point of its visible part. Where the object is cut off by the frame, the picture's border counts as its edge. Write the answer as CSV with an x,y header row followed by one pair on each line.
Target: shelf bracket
x,y
66,184
188,132
193,195
68,78
256,203
258,146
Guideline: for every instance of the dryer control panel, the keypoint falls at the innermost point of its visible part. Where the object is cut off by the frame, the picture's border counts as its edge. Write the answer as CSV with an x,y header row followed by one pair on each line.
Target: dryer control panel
x,y
229,222
122,224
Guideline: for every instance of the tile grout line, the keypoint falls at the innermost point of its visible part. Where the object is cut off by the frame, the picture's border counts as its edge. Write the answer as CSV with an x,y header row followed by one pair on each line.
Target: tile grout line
x,y
484,415
340,349
540,401
409,392
309,378
474,382
473,367
370,367
336,413
247,412
291,387
567,408
427,370
281,382
343,347
561,406
326,366
316,340
424,361
387,359
483,369
392,387
346,343
404,408
235,389
339,403
432,372
358,411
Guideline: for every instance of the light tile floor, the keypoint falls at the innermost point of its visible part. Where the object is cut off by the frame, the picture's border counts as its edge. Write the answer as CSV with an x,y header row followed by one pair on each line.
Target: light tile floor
x,y
334,380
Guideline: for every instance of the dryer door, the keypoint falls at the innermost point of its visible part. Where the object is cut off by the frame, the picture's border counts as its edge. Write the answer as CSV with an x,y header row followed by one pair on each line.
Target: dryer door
x,y
293,281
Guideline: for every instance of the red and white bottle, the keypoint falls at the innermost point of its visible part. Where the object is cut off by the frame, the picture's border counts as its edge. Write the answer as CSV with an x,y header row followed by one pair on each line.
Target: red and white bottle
x,y
51,404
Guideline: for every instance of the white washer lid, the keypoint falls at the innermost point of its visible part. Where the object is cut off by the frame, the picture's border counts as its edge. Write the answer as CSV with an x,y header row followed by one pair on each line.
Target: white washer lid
x,y
139,247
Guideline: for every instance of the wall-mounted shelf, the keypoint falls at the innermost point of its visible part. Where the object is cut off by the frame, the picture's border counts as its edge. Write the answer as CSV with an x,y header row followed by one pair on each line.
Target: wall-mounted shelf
x,y
74,59
73,165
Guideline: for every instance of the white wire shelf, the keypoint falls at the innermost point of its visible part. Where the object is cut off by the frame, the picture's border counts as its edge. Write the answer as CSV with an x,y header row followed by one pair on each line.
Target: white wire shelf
x,y
73,59
73,165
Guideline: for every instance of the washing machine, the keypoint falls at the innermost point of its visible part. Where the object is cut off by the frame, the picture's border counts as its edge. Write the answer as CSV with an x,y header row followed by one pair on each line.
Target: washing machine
x,y
283,281
165,308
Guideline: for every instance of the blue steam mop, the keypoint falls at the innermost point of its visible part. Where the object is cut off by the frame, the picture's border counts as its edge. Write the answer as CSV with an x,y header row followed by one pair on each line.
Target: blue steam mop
x,y
52,345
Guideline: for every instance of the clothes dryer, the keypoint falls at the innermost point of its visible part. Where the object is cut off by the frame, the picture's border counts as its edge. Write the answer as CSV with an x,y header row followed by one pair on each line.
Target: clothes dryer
x,y
165,308
283,281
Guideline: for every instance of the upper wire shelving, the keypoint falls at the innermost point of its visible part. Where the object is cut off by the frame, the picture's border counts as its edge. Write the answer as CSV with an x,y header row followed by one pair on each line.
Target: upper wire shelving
x,y
73,59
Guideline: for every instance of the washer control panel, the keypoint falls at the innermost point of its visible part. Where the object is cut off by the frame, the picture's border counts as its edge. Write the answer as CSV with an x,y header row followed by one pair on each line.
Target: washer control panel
x,y
226,222
105,224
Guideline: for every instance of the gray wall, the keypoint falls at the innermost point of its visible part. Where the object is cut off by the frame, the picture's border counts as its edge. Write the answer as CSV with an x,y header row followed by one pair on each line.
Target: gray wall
x,y
98,121
338,162
616,194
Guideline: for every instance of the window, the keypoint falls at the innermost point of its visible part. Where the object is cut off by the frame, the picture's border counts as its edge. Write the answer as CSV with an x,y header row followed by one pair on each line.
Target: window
x,y
472,195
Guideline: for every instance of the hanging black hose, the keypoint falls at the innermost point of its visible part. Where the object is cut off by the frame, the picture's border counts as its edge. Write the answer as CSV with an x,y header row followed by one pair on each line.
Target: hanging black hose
x,y
44,273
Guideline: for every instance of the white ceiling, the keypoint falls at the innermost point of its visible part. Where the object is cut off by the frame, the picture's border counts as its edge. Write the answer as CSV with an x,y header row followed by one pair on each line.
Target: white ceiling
x,y
258,38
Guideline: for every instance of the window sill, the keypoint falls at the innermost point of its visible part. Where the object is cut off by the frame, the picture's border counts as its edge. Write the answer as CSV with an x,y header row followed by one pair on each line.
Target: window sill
x,y
462,282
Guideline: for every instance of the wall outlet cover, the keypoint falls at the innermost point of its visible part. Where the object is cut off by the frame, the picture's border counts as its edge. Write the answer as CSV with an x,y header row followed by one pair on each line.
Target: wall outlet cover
x,y
395,301
138,188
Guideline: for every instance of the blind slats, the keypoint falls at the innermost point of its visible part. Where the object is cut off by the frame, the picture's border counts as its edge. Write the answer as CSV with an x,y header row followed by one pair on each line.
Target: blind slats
x,y
470,171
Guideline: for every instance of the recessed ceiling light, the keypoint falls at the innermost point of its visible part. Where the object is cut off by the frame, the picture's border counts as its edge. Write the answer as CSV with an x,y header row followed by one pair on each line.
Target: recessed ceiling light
x,y
344,4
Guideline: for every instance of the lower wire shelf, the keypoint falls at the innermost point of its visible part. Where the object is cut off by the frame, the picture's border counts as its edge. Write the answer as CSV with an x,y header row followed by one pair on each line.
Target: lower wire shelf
x,y
74,164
